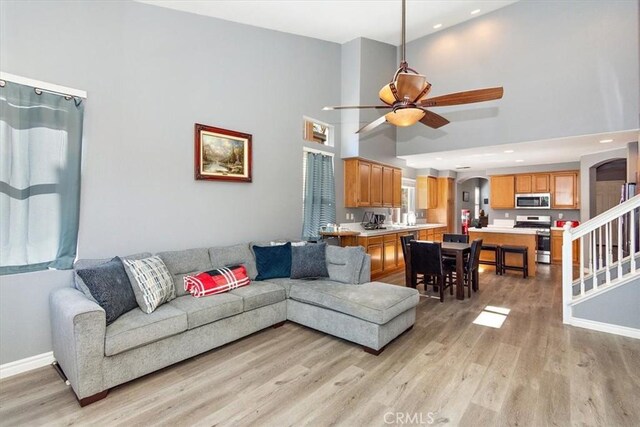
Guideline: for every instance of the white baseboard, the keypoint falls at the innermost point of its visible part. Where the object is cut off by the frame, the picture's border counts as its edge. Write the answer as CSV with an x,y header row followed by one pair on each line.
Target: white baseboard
x,y
23,365
624,331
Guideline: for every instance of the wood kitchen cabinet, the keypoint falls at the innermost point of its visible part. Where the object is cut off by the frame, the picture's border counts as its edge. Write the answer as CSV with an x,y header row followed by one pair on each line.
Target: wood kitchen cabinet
x,y
390,245
534,183
397,188
502,191
426,192
564,190
371,184
541,183
556,248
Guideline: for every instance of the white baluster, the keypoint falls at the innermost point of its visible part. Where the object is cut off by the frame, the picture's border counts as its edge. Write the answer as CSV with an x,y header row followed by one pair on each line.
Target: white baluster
x,y
620,237
594,256
600,247
581,265
632,235
607,252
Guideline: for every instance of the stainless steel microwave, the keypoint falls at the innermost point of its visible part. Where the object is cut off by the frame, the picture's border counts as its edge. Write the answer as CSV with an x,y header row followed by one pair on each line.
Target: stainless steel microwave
x,y
533,201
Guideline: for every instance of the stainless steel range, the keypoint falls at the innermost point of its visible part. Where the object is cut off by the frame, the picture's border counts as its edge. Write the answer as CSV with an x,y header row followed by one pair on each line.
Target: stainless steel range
x,y
542,225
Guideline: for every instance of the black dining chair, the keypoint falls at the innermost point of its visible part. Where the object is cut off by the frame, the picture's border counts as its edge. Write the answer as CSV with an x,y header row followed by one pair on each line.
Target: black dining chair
x,y
455,238
426,260
473,266
406,253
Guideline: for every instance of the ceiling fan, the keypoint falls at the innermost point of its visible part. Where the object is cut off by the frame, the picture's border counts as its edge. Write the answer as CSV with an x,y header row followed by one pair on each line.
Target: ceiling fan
x,y
406,96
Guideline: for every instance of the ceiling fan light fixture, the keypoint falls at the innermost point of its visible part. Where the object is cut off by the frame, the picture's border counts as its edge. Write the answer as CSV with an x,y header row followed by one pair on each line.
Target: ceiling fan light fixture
x,y
386,95
405,116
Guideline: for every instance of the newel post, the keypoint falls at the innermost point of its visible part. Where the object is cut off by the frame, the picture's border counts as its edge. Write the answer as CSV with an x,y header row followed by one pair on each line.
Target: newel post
x,y
567,273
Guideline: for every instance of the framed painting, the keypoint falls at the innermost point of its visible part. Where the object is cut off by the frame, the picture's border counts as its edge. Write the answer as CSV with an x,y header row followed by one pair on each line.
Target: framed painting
x,y
222,154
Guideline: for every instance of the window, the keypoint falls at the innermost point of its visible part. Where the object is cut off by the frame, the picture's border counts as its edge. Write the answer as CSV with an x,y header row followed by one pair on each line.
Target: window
x,y
40,153
318,192
317,131
476,201
408,195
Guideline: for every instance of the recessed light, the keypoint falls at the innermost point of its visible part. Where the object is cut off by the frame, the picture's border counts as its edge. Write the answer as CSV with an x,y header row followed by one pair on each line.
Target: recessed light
x,y
437,26
438,158
519,161
508,151
605,141
473,12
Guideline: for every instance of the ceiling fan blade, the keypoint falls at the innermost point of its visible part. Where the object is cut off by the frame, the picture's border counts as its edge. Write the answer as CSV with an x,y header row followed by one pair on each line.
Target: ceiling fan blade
x,y
346,107
433,120
468,97
410,85
374,124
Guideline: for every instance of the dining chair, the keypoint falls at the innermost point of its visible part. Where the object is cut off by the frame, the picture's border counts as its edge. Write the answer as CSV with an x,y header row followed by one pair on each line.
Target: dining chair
x,y
406,253
455,238
473,266
426,260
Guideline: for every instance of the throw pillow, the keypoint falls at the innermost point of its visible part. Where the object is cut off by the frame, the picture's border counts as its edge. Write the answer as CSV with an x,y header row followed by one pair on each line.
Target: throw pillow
x,y
344,264
151,282
273,261
309,261
110,286
216,281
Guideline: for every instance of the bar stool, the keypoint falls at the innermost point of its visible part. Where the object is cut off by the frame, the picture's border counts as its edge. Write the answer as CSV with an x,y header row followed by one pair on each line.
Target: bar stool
x,y
523,250
495,248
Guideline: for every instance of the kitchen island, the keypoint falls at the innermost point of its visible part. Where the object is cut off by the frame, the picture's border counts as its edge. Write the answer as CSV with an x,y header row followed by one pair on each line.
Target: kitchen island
x,y
385,247
508,236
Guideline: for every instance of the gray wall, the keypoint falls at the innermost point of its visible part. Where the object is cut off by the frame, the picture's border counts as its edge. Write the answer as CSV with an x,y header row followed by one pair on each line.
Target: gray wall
x,y
618,306
568,68
151,73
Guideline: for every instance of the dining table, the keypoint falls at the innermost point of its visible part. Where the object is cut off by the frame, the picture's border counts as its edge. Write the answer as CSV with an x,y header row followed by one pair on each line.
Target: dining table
x,y
459,252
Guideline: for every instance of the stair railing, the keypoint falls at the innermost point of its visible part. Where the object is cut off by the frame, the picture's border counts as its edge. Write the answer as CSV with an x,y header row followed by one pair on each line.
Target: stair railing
x,y
606,243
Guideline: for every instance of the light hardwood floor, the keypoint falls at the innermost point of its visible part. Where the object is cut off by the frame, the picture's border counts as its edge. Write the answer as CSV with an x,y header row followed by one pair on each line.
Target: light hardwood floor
x,y
532,371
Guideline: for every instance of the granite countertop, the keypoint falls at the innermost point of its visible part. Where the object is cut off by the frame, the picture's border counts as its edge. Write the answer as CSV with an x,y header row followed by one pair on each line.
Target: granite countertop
x,y
391,229
504,230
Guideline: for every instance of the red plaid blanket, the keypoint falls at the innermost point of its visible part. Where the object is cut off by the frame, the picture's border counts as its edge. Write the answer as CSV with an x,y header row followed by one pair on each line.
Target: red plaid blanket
x,y
216,281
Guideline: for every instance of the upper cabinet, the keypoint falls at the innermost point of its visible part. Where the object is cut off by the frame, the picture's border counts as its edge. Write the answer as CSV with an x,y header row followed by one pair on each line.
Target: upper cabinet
x,y
563,187
564,190
371,184
502,192
426,192
534,183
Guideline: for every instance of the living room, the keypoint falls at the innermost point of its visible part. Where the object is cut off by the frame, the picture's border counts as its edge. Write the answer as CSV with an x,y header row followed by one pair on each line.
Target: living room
x,y
146,74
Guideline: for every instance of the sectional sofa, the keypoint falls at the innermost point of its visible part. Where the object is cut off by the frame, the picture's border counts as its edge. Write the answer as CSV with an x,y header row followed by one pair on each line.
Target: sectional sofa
x,y
95,357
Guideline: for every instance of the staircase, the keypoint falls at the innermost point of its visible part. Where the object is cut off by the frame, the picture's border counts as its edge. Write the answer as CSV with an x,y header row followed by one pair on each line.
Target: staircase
x,y
608,258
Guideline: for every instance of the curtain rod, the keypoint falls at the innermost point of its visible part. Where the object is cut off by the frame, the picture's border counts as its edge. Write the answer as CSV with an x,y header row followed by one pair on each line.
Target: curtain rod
x,y
40,86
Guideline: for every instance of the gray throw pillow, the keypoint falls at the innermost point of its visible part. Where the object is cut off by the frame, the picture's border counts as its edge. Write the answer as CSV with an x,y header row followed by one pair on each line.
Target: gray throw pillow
x,y
309,261
345,264
110,286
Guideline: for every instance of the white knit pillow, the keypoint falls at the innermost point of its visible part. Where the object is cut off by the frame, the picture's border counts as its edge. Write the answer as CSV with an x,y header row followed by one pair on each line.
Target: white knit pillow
x,y
151,282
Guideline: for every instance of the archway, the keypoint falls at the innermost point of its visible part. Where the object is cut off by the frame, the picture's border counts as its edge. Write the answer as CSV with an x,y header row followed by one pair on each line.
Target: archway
x,y
605,182
472,193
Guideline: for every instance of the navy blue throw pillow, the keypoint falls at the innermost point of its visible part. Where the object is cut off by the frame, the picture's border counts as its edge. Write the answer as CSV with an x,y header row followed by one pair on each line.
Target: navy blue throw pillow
x,y
110,286
273,261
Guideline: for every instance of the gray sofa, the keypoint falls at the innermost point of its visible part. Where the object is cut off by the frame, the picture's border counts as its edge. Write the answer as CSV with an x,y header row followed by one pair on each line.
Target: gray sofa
x,y
95,357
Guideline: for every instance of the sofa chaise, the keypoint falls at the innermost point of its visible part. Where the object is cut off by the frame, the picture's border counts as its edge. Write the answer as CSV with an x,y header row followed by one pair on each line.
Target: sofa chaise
x,y
95,357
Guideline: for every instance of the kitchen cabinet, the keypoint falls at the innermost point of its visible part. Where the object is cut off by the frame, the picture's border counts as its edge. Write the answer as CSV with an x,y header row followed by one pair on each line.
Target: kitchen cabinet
x,y
390,245
541,183
386,249
556,248
426,192
387,187
524,184
397,188
376,185
371,184
534,183
502,191
564,190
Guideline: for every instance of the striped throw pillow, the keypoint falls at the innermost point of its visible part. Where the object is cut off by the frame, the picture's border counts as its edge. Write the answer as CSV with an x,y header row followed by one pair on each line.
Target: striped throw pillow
x,y
151,282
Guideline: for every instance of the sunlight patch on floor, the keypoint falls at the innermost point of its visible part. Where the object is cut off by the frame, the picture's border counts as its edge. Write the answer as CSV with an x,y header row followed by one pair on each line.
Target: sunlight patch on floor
x,y
492,316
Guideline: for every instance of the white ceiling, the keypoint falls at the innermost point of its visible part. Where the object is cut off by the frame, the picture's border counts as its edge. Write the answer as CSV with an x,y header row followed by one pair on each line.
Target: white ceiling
x,y
340,20
548,151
